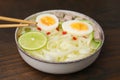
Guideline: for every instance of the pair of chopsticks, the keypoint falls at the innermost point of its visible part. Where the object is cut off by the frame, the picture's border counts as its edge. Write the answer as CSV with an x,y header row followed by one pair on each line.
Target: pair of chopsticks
x,y
23,22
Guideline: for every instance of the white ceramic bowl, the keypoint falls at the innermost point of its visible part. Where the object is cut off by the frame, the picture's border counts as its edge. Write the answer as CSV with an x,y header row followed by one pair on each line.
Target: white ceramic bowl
x,y
61,67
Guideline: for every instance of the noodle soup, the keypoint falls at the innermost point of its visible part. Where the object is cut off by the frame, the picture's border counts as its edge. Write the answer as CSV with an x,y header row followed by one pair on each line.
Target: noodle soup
x,y
60,36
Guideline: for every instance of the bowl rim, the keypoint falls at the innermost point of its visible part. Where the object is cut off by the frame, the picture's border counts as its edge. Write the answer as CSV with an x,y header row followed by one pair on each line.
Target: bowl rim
x,y
67,62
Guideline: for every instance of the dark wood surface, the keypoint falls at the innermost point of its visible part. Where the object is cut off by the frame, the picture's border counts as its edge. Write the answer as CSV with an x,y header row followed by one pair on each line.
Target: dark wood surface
x,y
106,12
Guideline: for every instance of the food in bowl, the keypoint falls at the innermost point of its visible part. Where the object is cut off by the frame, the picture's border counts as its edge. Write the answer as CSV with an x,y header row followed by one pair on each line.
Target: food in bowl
x,y
62,42
60,37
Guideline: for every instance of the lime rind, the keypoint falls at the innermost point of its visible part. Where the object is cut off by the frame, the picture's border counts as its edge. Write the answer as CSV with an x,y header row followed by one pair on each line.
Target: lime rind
x,y
32,40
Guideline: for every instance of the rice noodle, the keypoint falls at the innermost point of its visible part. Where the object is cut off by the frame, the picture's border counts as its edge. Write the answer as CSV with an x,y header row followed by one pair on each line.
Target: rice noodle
x,y
60,48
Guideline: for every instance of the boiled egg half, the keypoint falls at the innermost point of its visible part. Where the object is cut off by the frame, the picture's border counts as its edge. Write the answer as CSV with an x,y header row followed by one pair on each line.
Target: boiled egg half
x,y
77,27
47,22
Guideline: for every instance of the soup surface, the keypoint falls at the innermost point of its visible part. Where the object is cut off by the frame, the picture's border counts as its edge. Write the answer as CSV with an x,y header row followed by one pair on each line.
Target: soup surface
x,y
60,36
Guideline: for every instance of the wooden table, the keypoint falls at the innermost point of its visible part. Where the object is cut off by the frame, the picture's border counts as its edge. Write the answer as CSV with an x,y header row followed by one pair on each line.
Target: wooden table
x,y
106,12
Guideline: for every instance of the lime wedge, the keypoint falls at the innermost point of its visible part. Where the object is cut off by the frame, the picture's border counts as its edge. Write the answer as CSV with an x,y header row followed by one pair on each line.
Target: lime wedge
x,y
95,44
32,40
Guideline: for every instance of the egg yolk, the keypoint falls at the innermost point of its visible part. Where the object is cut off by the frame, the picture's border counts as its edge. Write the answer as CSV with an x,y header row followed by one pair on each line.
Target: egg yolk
x,y
47,20
79,26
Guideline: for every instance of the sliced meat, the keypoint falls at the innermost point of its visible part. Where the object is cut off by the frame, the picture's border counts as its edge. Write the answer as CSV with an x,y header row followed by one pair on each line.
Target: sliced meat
x,y
97,34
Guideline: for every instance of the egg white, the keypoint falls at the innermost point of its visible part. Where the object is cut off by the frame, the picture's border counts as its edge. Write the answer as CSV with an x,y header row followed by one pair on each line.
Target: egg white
x,y
67,27
45,27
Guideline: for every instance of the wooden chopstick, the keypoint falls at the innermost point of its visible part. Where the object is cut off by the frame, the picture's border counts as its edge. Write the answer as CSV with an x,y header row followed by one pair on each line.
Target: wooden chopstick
x,y
12,25
16,20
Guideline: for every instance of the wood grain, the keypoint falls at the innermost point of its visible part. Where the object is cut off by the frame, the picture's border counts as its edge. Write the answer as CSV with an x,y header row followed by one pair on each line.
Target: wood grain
x,y
106,12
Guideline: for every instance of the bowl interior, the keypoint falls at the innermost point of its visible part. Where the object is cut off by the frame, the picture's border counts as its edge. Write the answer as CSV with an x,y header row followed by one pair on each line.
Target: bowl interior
x,y
33,16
